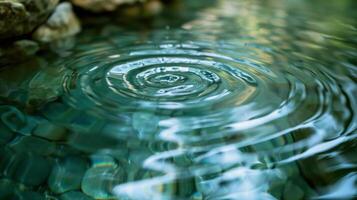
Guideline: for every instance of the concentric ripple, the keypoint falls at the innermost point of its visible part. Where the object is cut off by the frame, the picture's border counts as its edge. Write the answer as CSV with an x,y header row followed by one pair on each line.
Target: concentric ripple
x,y
233,116
166,78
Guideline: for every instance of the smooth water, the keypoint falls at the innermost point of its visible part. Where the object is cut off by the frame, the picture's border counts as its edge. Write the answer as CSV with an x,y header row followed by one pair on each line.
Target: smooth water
x,y
211,100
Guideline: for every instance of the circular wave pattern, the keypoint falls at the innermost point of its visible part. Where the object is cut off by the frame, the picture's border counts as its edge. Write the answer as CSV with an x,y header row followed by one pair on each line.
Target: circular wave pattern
x,y
166,78
225,111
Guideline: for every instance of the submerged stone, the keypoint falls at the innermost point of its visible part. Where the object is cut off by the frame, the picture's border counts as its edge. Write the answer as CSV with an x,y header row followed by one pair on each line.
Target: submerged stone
x,y
145,124
26,168
5,134
16,121
92,142
74,195
67,174
50,131
7,188
32,144
18,17
293,192
45,86
99,180
62,23
27,195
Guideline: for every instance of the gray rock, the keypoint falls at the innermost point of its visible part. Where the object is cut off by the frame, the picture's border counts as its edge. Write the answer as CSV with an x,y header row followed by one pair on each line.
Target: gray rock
x,y
62,23
19,17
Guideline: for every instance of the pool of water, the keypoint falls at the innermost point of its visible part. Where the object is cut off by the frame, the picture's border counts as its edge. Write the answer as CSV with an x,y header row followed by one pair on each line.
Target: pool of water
x,y
214,100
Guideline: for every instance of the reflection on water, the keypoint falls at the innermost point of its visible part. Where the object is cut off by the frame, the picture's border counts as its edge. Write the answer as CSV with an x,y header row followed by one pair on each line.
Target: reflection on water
x,y
242,100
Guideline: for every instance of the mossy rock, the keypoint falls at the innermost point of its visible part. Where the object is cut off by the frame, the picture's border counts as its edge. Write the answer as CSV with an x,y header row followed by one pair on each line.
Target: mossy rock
x,y
19,17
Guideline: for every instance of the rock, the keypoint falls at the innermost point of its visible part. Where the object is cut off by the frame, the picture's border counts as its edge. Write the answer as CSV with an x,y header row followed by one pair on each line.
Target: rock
x,y
67,175
99,180
16,121
152,7
62,23
28,195
32,144
19,17
26,168
7,188
146,124
45,86
74,195
50,131
101,5
6,134
147,9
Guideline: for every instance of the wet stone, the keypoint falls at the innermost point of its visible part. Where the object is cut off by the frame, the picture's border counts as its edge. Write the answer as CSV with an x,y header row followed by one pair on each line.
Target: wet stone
x,y
7,188
5,134
32,144
26,168
18,17
16,121
74,195
50,131
99,180
40,93
145,124
293,192
27,195
91,142
101,160
67,174
62,23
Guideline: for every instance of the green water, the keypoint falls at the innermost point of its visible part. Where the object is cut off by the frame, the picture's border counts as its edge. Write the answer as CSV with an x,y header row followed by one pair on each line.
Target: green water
x,y
214,100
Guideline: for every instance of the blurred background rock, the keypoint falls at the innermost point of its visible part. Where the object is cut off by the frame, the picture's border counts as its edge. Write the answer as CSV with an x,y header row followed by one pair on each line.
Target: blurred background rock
x,y
29,26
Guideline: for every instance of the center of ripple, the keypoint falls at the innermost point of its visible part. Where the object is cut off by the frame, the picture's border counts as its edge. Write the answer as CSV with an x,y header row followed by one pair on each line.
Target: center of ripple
x,y
167,79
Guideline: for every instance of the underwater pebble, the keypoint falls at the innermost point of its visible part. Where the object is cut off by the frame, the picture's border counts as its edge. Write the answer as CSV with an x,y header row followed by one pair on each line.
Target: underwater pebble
x,y
74,195
27,195
7,188
29,169
293,192
100,179
145,123
33,145
92,142
5,134
16,121
67,174
50,131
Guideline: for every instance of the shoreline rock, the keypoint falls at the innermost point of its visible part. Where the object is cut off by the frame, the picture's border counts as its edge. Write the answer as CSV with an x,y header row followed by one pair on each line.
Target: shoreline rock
x,y
62,23
19,17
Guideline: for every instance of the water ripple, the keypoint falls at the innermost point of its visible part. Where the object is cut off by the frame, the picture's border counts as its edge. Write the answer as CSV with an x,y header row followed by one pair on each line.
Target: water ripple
x,y
233,105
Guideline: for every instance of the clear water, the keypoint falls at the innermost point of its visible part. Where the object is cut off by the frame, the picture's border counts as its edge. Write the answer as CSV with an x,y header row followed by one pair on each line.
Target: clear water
x,y
210,100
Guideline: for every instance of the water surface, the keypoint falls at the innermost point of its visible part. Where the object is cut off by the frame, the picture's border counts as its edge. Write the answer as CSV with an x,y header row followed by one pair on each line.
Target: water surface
x,y
210,100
